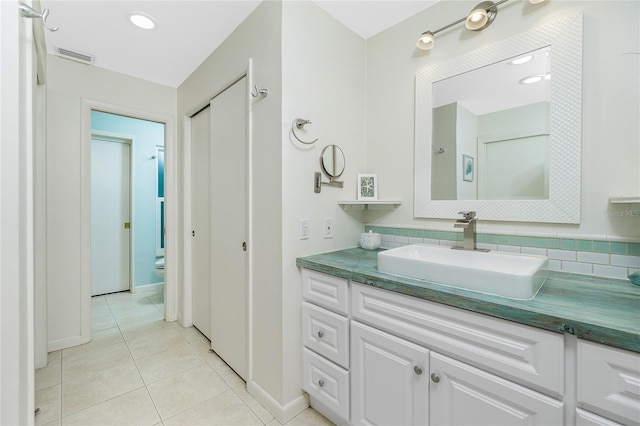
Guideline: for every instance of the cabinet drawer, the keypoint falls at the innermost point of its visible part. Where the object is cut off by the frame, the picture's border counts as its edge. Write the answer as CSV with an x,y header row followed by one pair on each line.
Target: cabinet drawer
x,y
326,333
326,382
326,290
609,382
523,354
585,418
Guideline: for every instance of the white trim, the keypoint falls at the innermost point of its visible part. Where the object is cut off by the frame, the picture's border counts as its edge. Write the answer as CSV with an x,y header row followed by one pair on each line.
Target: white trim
x,y
150,287
171,216
67,342
282,413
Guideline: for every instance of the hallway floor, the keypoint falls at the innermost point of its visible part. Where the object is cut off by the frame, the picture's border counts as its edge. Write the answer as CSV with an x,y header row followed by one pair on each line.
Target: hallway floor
x,y
140,370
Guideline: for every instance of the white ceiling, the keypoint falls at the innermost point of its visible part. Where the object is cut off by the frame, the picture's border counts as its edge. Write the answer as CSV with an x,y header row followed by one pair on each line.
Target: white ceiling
x,y
187,31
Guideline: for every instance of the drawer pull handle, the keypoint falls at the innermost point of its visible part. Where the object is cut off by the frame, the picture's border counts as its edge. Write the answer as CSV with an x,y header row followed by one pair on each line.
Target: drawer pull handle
x,y
417,369
435,378
321,383
321,334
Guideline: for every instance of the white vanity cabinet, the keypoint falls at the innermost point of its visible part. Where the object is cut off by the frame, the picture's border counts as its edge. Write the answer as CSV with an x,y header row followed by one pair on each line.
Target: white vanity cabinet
x,y
325,336
608,385
389,379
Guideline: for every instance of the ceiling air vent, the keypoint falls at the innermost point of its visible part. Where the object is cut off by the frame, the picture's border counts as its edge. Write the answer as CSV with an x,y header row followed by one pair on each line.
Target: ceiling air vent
x,y
85,58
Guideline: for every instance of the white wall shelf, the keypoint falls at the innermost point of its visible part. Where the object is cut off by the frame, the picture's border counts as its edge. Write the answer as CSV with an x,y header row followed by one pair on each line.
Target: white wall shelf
x,y
624,200
369,205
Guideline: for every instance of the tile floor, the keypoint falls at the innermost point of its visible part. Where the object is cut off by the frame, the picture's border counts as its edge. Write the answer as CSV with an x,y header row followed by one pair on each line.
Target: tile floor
x,y
140,370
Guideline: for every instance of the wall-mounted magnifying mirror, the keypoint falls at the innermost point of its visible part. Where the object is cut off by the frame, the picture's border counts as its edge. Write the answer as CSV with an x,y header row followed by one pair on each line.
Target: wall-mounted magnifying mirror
x,y
332,163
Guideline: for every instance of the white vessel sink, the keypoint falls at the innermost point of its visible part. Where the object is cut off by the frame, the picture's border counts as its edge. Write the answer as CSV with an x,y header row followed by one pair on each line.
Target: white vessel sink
x,y
516,276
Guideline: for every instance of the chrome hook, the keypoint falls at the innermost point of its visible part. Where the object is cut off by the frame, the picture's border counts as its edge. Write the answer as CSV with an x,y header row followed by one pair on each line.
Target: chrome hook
x,y
28,12
259,92
300,123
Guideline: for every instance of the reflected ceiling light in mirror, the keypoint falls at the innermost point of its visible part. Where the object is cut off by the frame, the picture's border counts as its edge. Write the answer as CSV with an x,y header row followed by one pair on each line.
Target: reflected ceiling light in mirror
x,y
478,19
521,60
532,79
142,21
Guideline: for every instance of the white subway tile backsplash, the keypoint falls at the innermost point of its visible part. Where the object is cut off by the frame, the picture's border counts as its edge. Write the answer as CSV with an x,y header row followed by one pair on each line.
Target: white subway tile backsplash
x,y
485,246
589,257
555,265
610,271
577,267
401,239
534,250
509,249
448,243
394,245
414,240
628,261
387,238
431,241
561,254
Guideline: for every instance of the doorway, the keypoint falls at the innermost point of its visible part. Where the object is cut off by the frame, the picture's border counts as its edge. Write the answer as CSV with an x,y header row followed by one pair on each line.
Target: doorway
x,y
110,214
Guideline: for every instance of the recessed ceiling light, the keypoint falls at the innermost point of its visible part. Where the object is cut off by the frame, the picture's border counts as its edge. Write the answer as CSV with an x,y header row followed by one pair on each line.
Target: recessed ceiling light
x,y
142,21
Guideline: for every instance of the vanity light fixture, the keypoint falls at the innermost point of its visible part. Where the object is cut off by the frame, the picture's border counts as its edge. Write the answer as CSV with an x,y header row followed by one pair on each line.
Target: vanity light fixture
x,y
478,19
142,21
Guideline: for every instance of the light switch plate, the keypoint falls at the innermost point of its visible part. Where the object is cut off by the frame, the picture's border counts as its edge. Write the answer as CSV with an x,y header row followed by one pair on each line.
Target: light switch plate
x,y
328,227
304,229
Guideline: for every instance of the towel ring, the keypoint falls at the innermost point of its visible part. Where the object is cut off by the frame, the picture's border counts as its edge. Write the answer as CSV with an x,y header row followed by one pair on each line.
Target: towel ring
x,y
300,123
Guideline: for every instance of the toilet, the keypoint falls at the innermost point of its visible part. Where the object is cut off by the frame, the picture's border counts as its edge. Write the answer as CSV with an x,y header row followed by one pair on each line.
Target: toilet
x,y
160,267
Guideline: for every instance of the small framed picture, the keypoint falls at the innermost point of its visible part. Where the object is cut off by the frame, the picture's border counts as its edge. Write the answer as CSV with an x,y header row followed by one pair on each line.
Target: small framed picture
x,y
367,187
468,166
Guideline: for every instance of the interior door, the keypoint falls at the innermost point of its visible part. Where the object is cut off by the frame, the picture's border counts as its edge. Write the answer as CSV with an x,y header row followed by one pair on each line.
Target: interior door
x,y
229,226
200,218
110,216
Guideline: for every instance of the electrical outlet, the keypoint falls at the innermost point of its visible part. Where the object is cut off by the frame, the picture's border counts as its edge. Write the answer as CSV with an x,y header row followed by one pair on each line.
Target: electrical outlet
x,y
328,227
304,229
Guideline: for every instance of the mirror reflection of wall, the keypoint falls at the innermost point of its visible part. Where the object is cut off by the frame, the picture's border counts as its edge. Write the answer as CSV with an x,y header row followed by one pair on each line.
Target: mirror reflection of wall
x,y
493,114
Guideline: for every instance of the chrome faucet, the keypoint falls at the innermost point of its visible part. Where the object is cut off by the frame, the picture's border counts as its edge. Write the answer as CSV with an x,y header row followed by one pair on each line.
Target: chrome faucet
x,y
468,224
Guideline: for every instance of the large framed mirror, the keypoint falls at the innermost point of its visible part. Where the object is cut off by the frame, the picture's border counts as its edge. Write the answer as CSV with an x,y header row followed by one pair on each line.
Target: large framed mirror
x,y
510,153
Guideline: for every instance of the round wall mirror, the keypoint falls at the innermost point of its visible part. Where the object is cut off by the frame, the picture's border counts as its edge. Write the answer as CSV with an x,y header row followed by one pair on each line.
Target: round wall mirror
x,y
332,161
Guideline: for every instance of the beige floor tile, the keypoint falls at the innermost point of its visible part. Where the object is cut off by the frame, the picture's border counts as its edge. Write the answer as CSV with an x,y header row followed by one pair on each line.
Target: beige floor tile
x,y
81,365
135,330
126,314
156,340
99,311
49,402
156,298
226,372
103,322
100,386
98,301
51,374
124,297
99,339
53,423
224,409
192,334
309,417
164,364
254,405
133,408
182,391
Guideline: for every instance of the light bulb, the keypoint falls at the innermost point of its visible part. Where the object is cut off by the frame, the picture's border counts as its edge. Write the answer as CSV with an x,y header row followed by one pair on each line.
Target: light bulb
x,y
426,41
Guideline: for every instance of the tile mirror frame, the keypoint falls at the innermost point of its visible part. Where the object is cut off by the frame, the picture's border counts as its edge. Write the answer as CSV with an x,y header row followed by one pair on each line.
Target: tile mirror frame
x,y
563,205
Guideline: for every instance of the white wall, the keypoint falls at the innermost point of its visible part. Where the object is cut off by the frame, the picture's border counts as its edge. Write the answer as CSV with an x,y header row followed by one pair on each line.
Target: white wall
x,y
610,149
323,78
69,83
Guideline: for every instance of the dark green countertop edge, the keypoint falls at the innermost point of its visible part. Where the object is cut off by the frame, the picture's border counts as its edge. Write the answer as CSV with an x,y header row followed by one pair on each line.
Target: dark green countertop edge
x,y
596,309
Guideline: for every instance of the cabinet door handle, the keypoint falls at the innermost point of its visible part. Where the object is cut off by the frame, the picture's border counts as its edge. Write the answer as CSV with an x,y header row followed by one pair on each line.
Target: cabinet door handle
x,y
417,369
435,378
320,334
321,383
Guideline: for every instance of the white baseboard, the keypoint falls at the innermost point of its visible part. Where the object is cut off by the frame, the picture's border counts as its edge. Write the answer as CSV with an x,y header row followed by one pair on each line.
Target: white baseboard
x,y
150,287
282,413
68,342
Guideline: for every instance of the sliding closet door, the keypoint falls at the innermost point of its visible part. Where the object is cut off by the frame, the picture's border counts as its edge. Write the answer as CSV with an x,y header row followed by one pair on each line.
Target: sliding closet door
x,y
229,226
200,220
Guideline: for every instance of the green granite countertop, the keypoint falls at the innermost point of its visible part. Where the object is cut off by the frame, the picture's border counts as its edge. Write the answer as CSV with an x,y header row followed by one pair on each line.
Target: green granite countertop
x,y
598,309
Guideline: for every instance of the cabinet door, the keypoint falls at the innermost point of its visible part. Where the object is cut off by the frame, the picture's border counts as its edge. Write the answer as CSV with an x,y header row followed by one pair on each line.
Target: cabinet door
x,y
389,384
464,395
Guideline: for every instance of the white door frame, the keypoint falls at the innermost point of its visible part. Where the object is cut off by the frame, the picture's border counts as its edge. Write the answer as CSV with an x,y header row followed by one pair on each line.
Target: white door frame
x,y
171,214
187,313
127,140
